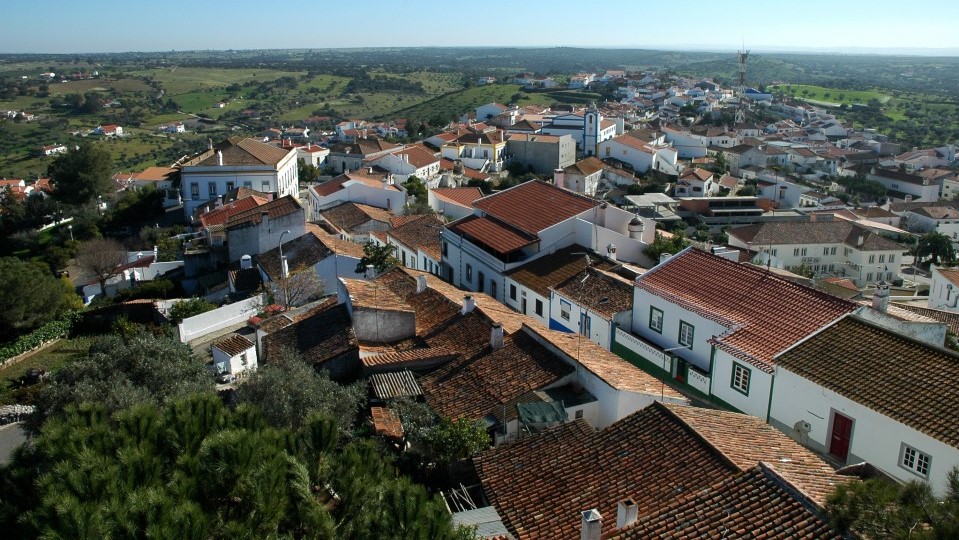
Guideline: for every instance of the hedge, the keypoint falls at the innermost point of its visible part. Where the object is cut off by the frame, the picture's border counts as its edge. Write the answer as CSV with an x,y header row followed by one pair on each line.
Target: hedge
x,y
48,332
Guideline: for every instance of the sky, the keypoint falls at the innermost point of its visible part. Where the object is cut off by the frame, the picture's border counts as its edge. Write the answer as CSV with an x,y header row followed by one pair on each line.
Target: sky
x,y
851,26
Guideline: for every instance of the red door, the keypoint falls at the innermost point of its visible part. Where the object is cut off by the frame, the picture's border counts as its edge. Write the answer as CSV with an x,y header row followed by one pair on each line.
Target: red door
x,y
841,434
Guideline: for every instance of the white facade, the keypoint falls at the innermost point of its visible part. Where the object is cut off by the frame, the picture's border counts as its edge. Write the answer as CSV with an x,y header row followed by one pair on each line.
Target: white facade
x,y
389,196
875,438
641,157
943,293
205,183
238,363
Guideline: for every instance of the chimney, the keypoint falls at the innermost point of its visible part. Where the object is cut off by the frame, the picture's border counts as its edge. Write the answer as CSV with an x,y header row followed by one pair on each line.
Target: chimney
x,y
880,298
420,283
370,272
636,228
246,262
219,201
591,525
627,511
468,304
284,268
219,158
860,240
209,144
496,337
559,178
611,252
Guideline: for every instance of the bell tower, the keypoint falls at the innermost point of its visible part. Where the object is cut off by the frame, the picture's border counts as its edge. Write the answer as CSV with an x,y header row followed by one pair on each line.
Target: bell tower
x,y
591,125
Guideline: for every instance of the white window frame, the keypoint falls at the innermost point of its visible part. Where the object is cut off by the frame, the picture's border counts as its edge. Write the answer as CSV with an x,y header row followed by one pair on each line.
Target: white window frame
x,y
683,325
740,378
564,308
915,461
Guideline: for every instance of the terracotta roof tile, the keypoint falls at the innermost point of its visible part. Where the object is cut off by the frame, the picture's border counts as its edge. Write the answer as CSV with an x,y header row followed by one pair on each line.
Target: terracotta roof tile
x,y
492,233
334,243
903,379
949,317
348,216
301,253
586,166
759,503
739,297
463,196
238,151
283,206
603,292
373,295
419,232
372,179
540,484
386,423
553,269
814,232
234,345
220,216
322,334
534,205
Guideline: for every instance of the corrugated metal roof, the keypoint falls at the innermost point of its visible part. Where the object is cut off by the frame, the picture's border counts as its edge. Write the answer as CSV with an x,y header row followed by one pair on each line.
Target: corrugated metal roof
x,y
394,385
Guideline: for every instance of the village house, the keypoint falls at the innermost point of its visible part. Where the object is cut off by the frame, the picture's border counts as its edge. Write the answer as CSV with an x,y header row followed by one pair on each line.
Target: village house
x,y
597,300
370,186
317,251
236,163
484,151
413,160
261,228
416,242
582,177
531,220
588,129
906,186
825,247
109,130
354,221
642,152
234,356
542,154
944,289
454,202
345,157
696,182
862,393
747,476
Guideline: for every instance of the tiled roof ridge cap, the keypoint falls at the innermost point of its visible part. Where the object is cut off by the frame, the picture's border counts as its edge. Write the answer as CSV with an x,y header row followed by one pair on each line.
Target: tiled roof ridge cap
x,y
770,473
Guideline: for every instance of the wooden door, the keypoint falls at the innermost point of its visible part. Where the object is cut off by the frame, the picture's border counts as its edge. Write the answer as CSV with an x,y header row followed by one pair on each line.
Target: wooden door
x,y
841,436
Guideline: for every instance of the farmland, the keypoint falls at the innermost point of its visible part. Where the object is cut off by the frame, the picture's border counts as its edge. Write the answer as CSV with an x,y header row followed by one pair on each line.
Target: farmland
x,y
831,96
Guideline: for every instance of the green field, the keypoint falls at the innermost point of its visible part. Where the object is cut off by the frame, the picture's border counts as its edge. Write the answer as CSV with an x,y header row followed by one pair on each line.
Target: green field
x,y
833,96
112,86
50,359
454,104
196,102
180,80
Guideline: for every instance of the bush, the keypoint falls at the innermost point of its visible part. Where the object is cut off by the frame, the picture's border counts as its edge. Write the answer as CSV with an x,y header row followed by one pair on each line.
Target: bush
x,y
48,332
184,309
158,288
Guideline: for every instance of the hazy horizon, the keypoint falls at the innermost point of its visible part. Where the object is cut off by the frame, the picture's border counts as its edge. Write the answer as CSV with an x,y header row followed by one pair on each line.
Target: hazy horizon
x,y
115,26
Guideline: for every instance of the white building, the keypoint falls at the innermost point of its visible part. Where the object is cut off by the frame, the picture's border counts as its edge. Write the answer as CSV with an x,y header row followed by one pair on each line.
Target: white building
x,y
529,221
639,154
860,392
944,289
588,129
234,355
370,186
827,248
411,161
238,163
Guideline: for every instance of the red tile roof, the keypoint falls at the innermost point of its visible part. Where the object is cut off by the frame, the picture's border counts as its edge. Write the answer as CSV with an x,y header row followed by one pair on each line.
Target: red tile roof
x,y
758,503
220,216
765,313
386,423
463,196
534,205
372,179
419,232
239,151
276,208
234,345
491,233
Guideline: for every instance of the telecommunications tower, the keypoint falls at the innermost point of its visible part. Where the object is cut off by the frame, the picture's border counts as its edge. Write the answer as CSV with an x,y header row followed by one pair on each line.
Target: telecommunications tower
x,y
741,106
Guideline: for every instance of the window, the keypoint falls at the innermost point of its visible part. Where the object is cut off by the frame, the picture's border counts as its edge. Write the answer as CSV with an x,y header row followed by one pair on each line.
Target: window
x,y
469,274
265,186
882,258
445,249
656,320
740,379
832,250
892,258
512,291
579,414
584,324
803,252
539,307
774,252
796,252
564,309
211,189
243,359
492,288
825,251
481,282
607,151
194,191
229,186
915,461
872,259
869,276
425,265
686,331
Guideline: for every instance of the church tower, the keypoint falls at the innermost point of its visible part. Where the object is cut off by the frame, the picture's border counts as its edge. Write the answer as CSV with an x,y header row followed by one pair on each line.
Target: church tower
x,y
591,127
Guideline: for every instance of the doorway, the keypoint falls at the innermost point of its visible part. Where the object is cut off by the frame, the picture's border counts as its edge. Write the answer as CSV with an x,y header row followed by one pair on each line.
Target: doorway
x,y
841,436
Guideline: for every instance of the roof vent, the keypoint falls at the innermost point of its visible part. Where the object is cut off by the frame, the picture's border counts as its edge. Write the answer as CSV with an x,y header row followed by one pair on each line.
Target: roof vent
x,y
627,511
591,525
246,262
468,304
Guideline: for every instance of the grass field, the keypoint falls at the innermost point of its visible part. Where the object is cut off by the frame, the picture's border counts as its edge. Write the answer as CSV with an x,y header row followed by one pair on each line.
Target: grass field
x,y
50,359
833,96
181,80
112,86
452,105
196,102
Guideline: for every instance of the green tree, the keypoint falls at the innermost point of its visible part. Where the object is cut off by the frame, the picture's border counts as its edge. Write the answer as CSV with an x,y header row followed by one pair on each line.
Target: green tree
x,y
288,390
307,172
379,256
415,188
13,213
122,372
81,174
881,509
453,440
31,296
937,247
721,165
662,244
184,309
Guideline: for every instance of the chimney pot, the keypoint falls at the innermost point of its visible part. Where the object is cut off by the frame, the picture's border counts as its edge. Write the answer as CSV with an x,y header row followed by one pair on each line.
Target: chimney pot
x,y
496,337
370,272
420,283
627,511
468,304
591,525
880,298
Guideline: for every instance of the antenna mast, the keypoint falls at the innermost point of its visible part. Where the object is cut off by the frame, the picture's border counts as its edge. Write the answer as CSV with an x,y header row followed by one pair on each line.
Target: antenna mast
x,y
741,108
